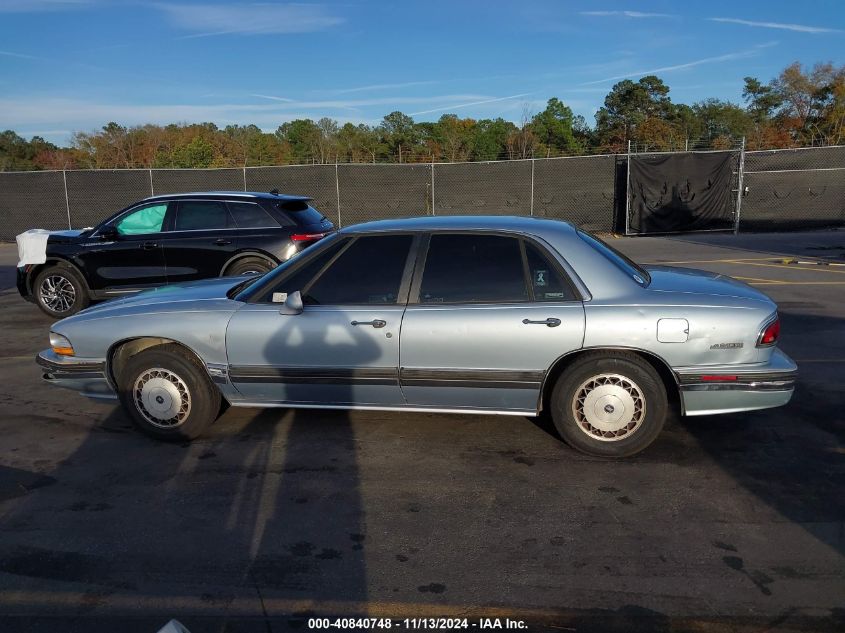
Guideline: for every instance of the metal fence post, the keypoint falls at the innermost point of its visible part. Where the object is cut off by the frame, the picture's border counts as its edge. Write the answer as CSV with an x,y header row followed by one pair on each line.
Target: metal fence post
x,y
532,187
627,193
152,188
337,191
740,179
244,177
432,185
67,199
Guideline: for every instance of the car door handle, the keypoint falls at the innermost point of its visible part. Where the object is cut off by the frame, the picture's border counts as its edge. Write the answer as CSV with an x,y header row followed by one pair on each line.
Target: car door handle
x,y
374,323
148,246
550,322
222,242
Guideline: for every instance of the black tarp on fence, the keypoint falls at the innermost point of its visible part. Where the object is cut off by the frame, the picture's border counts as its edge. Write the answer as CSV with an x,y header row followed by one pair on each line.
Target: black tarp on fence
x,y
671,193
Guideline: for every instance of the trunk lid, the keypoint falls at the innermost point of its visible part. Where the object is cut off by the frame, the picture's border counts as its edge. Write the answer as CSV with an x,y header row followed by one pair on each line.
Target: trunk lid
x,y
701,282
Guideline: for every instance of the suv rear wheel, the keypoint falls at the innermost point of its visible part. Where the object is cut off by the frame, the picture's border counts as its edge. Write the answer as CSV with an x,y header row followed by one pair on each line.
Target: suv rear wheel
x,y
248,266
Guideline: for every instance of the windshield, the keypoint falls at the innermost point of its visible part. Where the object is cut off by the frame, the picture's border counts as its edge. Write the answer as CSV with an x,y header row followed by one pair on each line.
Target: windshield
x,y
635,271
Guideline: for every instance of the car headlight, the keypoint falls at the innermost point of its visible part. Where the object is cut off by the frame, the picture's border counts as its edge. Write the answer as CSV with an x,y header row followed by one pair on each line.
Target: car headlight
x,y
60,345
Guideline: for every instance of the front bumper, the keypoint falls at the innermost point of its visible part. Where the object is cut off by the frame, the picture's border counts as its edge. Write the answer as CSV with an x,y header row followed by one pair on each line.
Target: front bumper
x,y
734,388
85,375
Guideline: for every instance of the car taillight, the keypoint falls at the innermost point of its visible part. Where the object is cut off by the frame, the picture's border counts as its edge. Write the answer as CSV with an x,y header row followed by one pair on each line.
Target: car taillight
x,y
307,237
770,333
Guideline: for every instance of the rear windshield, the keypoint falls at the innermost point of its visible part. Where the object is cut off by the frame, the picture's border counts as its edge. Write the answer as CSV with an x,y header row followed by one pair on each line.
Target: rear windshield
x,y
636,272
301,213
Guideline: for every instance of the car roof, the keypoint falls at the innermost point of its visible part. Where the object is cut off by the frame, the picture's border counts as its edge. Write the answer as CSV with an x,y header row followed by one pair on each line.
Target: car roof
x,y
464,223
280,197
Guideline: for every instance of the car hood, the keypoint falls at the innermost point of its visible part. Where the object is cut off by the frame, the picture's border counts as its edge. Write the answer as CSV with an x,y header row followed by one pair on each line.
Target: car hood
x,y
68,236
174,295
701,282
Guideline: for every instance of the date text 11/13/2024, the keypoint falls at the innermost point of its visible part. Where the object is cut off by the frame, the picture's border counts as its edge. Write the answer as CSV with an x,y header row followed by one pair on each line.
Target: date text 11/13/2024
x,y
416,623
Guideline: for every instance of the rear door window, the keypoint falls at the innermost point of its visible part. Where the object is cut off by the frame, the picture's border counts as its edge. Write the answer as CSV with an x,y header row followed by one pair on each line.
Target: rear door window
x,y
202,215
465,268
248,215
546,282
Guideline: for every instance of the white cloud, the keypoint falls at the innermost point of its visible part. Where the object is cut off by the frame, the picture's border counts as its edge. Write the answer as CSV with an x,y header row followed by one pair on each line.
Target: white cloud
x,y
474,103
33,6
376,87
272,98
18,55
801,28
26,112
665,69
248,18
627,14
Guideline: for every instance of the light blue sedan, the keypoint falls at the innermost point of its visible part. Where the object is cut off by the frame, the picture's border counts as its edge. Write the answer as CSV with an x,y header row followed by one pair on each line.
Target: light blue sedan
x,y
496,315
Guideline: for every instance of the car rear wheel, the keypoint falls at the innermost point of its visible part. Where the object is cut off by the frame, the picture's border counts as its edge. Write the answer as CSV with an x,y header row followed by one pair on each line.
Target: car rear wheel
x,y
248,266
609,405
59,292
168,394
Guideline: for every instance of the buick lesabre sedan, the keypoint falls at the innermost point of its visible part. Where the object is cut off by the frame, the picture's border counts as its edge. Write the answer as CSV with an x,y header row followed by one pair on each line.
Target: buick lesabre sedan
x,y
497,315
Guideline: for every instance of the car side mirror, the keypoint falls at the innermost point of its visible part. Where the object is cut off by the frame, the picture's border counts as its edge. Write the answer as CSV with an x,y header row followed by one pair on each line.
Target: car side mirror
x,y
108,233
292,304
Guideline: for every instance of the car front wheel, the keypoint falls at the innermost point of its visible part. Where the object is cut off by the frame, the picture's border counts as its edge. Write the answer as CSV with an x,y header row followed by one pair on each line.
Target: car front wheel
x,y
168,394
59,292
609,405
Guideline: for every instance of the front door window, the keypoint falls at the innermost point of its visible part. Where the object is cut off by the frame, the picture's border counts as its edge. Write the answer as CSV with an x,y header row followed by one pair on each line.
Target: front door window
x,y
147,219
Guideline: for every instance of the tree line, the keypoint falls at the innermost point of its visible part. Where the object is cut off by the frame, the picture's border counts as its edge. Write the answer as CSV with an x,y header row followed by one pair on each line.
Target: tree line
x,y
800,107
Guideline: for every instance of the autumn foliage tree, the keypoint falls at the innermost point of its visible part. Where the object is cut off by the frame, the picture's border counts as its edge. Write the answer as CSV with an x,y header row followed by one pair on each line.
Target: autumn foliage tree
x,y
799,107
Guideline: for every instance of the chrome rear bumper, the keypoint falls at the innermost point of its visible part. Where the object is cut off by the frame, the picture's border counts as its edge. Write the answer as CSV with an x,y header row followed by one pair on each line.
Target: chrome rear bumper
x,y
733,388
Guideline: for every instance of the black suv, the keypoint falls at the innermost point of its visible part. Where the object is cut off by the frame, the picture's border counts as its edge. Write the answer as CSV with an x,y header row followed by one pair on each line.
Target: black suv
x,y
170,239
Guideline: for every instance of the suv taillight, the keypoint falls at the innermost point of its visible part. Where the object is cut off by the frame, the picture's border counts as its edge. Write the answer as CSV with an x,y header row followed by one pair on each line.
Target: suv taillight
x,y
770,333
307,237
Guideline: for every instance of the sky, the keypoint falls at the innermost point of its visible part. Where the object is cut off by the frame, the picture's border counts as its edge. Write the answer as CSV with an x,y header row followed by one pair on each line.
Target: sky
x,y
75,65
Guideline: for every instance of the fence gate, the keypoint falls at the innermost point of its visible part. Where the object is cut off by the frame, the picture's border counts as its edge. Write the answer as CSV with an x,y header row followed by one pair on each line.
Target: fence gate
x,y
682,192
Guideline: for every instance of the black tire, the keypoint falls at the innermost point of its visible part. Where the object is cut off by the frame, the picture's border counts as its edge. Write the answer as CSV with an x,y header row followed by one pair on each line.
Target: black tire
x,y
593,414
60,292
172,370
247,266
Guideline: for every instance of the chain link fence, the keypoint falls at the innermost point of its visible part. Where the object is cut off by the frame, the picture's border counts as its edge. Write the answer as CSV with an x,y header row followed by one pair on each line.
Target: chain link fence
x,y
782,189
793,188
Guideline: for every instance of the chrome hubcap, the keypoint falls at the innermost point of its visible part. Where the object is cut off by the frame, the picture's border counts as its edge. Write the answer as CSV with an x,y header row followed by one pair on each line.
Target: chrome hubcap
x,y
162,398
57,293
608,407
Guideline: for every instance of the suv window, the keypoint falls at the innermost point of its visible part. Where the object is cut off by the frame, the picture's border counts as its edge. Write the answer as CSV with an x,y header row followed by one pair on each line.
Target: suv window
x,y
248,215
368,272
473,268
201,215
546,282
147,219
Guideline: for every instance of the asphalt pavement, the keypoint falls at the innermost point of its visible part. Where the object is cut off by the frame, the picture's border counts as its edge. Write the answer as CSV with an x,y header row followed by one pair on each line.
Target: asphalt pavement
x,y
731,522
